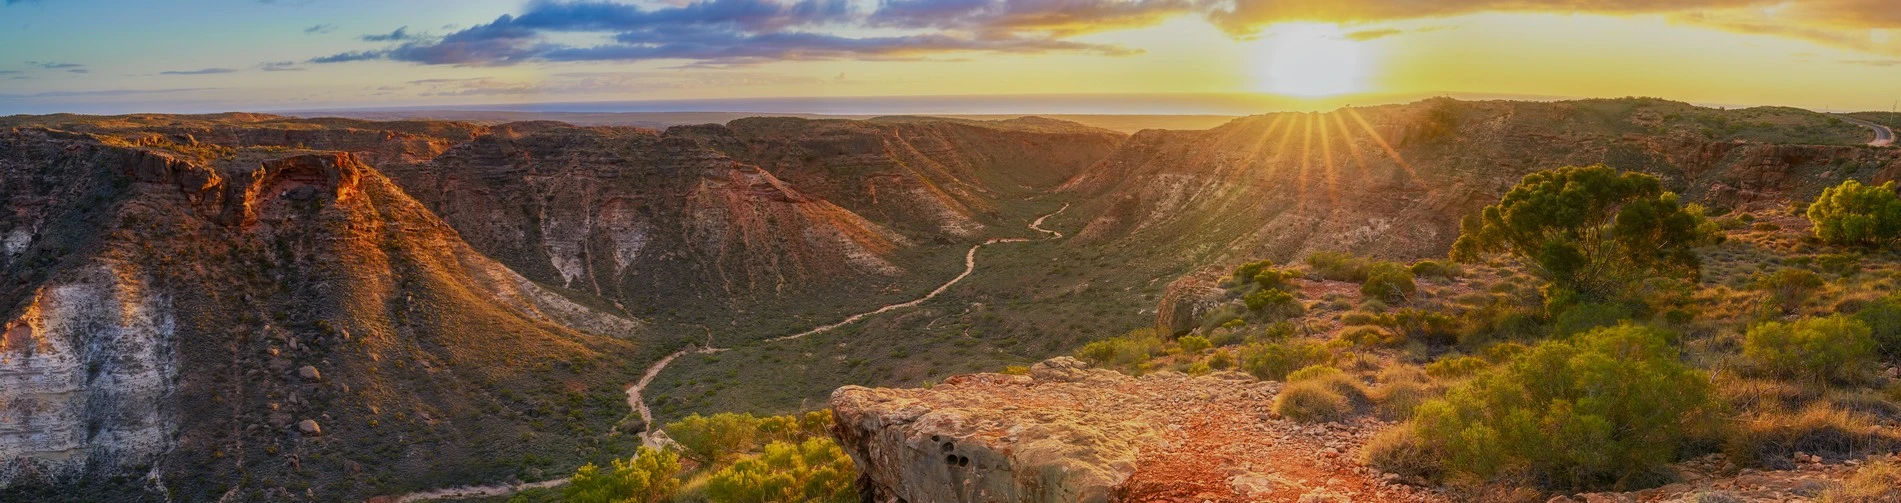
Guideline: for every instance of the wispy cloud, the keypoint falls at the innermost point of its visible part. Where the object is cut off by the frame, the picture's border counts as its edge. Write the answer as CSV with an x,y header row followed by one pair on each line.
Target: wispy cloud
x,y
54,65
399,35
108,92
320,28
280,66
204,71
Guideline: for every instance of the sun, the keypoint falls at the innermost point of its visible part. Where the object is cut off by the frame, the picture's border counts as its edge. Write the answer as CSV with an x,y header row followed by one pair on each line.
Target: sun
x,y
1312,60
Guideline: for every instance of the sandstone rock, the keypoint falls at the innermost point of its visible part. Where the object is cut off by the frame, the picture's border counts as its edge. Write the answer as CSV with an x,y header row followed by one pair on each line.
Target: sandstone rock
x,y
309,427
309,373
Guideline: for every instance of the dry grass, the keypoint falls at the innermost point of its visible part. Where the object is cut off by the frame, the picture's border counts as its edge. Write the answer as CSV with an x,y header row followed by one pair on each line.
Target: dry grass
x,y
1877,482
1768,437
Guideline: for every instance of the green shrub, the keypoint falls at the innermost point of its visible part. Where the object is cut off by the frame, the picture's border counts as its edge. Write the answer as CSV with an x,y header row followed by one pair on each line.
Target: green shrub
x,y
1338,266
1312,372
1221,360
1399,450
1590,230
1389,282
1194,344
1883,317
1434,269
1312,401
1457,367
712,440
1246,272
1837,347
1425,326
1128,351
1609,405
1581,318
1274,360
1790,287
648,477
1852,213
1369,336
1274,303
1358,318
815,470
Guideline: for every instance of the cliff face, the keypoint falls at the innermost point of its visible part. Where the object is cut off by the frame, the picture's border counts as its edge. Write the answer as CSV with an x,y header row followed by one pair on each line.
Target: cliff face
x,y
282,316
1395,180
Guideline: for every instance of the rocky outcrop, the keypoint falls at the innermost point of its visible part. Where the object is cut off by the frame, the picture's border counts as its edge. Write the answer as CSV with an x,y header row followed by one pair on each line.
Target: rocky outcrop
x,y
1186,300
1067,433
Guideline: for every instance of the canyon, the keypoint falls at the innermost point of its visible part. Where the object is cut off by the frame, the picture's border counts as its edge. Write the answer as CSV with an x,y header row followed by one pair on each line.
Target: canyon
x,y
261,308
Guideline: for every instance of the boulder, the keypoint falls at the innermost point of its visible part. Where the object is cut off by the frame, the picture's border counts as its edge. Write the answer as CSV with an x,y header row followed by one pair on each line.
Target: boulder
x,y
309,373
309,427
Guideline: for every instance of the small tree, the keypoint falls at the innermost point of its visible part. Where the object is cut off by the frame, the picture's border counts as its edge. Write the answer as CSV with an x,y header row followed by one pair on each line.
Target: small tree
x,y
1856,214
1589,230
711,440
1836,347
648,477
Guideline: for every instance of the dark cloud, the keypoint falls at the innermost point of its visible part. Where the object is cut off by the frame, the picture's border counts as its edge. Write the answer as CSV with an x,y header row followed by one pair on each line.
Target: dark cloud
x,y
205,71
320,28
280,66
78,70
399,35
1043,16
54,65
350,56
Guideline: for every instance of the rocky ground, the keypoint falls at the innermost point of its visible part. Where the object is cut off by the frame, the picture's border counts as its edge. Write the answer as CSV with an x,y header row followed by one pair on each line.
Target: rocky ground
x,y
1069,433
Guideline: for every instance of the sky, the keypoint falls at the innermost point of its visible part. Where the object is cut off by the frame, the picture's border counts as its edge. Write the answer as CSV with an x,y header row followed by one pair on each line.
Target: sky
x,y
935,56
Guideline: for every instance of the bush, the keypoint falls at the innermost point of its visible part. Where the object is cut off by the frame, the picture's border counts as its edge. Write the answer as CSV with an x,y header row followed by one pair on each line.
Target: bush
x,y
1338,266
1389,282
1312,372
1883,317
1401,391
1590,230
1582,318
1425,326
814,470
648,477
1790,287
1127,352
1856,214
1457,367
1434,269
1836,347
1610,405
712,440
1358,318
1221,360
1400,451
1368,336
1194,344
1274,303
1274,360
1312,401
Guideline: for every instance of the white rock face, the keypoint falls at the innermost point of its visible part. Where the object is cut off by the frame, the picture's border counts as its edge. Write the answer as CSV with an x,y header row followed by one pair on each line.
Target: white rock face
x,y
83,370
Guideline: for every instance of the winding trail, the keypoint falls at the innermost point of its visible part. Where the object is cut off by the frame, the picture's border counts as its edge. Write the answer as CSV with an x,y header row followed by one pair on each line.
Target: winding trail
x,y
639,405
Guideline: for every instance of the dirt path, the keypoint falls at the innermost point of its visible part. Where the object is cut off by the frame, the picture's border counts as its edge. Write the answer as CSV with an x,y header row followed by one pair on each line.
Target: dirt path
x,y
639,405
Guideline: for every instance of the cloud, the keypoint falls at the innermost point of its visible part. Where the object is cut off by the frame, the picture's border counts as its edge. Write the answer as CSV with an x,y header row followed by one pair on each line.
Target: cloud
x,y
78,70
109,92
1059,17
320,28
13,2
1365,35
54,65
206,71
10,72
280,66
400,34
723,32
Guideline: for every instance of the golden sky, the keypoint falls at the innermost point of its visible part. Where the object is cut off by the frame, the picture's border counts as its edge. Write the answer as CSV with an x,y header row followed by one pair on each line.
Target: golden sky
x,y
1249,55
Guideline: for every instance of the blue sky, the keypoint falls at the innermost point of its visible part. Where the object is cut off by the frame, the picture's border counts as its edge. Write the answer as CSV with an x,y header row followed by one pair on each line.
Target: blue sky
x,y
118,56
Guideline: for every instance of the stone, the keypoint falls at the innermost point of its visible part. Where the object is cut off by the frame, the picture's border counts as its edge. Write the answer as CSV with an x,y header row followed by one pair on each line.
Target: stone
x,y
309,427
309,373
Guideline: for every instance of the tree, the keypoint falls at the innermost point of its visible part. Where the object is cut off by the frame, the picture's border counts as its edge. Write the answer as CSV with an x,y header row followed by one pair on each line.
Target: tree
x,y
648,477
1852,213
710,440
1604,407
815,470
1589,230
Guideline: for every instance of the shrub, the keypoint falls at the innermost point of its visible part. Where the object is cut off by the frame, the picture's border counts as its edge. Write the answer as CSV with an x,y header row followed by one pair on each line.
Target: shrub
x,y
1274,360
1367,336
1128,351
1338,266
648,477
1856,214
1221,360
1456,367
1389,282
1017,370
1312,401
1357,318
712,440
1400,451
1790,287
1401,391
1194,344
1836,347
1883,317
1312,372
1590,230
1273,303
1434,269
1609,405
814,470
1425,326
1264,274
1584,317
